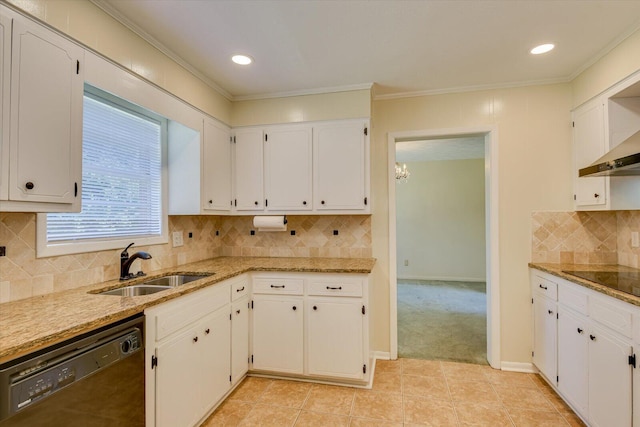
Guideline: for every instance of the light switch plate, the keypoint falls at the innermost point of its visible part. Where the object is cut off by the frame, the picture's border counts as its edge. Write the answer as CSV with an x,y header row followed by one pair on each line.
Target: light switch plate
x,y
635,241
177,239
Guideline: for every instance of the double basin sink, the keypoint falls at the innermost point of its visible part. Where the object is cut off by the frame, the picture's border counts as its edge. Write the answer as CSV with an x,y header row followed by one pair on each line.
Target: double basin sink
x,y
154,285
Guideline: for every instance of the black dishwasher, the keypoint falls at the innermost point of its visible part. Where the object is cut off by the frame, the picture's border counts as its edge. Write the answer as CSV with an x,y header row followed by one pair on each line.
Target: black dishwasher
x,y
95,379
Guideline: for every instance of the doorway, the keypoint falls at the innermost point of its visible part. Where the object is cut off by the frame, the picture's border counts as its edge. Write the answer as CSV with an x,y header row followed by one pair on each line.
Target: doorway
x,y
489,136
440,235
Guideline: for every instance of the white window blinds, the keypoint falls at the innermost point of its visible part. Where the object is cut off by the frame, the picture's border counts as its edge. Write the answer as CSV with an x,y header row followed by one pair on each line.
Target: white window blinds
x,y
121,176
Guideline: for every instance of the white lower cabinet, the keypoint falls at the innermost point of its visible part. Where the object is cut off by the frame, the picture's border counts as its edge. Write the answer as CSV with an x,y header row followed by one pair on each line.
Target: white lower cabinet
x,y
313,325
335,338
609,379
595,355
278,333
545,336
239,339
188,363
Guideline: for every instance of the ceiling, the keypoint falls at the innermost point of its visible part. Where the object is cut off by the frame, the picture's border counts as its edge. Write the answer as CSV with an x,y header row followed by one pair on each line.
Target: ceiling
x,y
405,47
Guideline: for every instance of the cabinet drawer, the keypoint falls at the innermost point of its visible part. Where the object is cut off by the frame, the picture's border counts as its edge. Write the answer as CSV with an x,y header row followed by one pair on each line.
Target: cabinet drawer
x,y
614,316
278,286
573,298
239,288
545,287
188,309
338,287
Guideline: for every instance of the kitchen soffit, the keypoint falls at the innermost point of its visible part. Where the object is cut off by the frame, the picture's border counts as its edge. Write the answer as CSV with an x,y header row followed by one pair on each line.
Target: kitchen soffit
x,y
403,46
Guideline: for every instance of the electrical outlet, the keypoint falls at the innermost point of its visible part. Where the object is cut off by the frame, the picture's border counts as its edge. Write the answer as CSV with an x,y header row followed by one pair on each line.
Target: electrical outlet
x,y
406,263
635,241
177,239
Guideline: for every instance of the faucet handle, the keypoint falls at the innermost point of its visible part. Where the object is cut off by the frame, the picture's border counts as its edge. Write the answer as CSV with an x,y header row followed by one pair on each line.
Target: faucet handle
x,y
124,254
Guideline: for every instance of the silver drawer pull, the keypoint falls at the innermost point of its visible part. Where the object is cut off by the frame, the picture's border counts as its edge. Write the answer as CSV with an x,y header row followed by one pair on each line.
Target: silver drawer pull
x,y
277,286
334,289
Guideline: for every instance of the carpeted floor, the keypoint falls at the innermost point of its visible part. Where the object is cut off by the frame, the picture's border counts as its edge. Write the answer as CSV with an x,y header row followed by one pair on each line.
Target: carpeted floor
x,y
440,320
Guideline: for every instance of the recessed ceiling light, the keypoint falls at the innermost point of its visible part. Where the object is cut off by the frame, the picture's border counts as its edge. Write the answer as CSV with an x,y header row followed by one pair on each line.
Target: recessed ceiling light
x,y
241,59
543,48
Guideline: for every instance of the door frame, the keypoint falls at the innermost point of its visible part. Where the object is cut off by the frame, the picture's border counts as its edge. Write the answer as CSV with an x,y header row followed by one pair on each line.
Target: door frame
x,y
490,134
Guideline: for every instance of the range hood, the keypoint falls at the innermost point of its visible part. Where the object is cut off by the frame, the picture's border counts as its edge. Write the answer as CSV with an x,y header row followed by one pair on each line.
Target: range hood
x,y
622,160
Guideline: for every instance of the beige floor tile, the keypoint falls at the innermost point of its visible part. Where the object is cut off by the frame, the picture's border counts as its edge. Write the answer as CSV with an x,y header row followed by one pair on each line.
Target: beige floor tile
x,y
523,398
330,399
472,391
286,393
271,416
368,422
387,382
482,414
380,406
316,419
514,379
465,371
250,389
230,413
429,411
533,418
556,401
389,366
435,387
421,367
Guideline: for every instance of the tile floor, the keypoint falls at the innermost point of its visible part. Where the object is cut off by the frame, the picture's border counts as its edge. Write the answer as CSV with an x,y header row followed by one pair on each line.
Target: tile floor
x,y
406,392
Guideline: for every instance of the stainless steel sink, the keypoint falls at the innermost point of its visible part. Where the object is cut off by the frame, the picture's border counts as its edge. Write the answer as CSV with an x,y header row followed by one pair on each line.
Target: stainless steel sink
x,y
174,280
136,290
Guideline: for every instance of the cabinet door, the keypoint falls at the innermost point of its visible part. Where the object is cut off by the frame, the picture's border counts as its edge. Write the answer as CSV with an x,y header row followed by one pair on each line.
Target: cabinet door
x,y
217,167
335,337
588,145
339,166
239,339
177,379
609,379
278,333
214,348
248,170
5,73
545,336
288,162
573,347
46,115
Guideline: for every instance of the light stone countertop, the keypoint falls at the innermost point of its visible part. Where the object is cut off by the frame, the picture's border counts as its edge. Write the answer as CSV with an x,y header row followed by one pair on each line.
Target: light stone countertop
x,y
34,323
557,270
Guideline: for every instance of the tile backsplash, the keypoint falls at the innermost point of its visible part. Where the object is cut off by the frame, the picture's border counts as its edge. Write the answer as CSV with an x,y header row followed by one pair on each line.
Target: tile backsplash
x,y
22,275
585,237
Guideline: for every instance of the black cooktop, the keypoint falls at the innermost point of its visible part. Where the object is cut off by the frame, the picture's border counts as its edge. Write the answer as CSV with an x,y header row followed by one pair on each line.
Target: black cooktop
x,y
625,281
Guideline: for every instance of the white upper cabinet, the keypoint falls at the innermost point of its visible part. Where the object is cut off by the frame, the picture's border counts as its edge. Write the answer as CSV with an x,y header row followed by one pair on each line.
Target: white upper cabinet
x,y
589,145
217,167
340,162
46,117
5,73
599,126
288,163
248,171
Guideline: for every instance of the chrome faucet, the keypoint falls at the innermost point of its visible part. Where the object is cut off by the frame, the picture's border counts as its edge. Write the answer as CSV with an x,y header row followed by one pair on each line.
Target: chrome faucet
x,y
126,261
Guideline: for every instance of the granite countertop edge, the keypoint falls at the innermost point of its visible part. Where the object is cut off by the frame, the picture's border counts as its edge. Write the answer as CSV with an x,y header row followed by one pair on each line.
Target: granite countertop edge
x,y
69,313
557,270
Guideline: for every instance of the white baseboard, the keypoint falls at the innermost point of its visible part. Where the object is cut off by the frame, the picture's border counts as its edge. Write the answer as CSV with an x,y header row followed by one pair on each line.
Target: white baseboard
x,y
382,355
444,278
518,367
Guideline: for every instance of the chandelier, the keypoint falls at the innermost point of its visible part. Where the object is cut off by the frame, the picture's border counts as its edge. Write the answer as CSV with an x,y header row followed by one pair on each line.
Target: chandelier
x,y
402,173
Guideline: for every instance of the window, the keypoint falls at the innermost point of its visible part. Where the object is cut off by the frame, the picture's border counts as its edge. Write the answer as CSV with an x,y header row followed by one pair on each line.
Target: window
x,y
122,181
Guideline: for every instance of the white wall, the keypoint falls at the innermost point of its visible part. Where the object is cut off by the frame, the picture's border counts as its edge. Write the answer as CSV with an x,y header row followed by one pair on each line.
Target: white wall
x,y
533,129
440,221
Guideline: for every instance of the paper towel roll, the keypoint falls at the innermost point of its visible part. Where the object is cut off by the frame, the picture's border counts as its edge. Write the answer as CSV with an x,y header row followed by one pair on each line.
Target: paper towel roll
x,y
270,222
